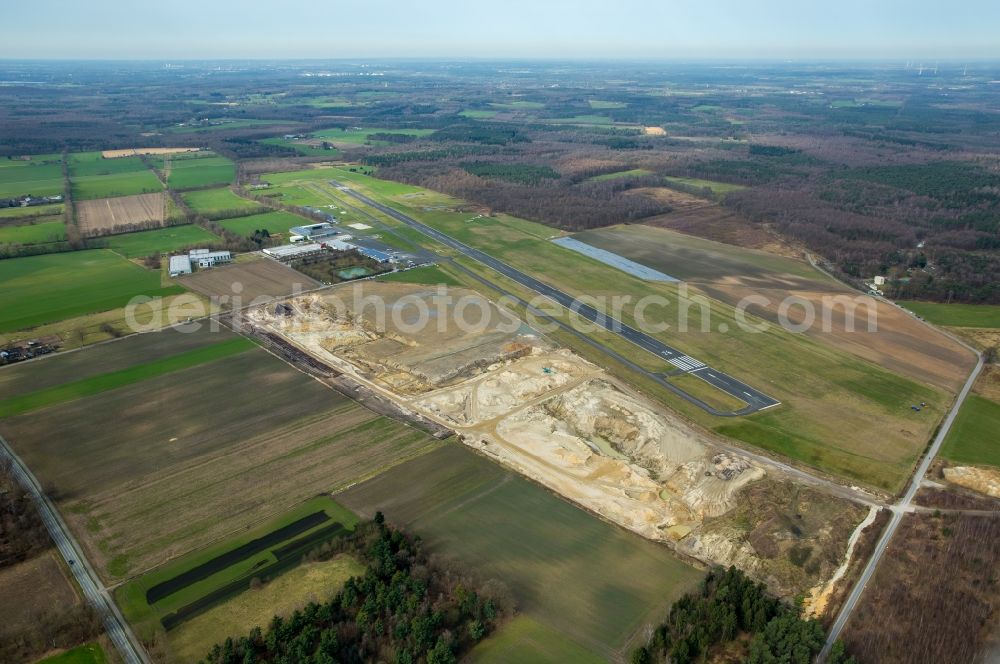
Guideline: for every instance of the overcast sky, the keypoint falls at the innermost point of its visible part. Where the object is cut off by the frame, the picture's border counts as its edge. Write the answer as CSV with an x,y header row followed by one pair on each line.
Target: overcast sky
x,y
174,29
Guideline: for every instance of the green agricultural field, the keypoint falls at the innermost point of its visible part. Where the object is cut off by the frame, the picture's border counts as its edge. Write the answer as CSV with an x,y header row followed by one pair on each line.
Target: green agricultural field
x,y
973,437
528,641
132,596
211,202
301,147
93,176
633,173
33,211
85,387
587,119
833,390
956,315
53,287
222,125
85,164
91,653
275,223
251,436
160,240
519,104
560,562
20,379
119,184
359,135
477,114
200,171
39,176
45,229
428,274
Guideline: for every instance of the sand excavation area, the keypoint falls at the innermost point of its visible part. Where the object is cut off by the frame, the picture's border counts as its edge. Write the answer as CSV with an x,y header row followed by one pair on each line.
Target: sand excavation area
x,y
564,422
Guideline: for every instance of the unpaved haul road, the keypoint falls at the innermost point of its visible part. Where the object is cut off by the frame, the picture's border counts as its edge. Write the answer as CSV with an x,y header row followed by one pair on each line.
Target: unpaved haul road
x,y
131,650
898,510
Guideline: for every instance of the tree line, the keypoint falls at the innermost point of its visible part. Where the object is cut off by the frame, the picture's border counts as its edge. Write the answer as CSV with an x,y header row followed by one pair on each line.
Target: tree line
x,y
735,614
405,608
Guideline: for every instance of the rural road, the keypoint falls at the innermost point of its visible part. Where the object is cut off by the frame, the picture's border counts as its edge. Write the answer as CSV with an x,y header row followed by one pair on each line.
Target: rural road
x,y
128,646
754,399
898,510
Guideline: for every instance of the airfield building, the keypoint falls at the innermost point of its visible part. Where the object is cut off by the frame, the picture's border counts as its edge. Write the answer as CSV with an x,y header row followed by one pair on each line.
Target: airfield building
x,y
206,258
290,252
179,265
315,232
375,254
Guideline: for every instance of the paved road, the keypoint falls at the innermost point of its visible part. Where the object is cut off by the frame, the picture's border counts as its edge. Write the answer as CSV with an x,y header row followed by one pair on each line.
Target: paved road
x,y
898,510
131,650
754,399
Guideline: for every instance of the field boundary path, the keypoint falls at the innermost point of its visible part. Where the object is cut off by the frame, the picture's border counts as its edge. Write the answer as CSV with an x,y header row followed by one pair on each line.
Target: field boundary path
x,y
96,594
903,506
754,399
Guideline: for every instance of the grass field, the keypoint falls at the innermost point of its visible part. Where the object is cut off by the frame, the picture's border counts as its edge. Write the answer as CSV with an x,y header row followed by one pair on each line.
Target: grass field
x,y
221,125
119,184
564,567
250,436
519,104
45,229
310,582
635,172
93,176
303,148
33,211
833,389
600,104
359,135
40,176
717,188
585,119
91,653
132,596
101,383
215,201
956,315
478,114
160,240
275,223
974,437
85,164
527,641
43,289
20,379
428,274
200,170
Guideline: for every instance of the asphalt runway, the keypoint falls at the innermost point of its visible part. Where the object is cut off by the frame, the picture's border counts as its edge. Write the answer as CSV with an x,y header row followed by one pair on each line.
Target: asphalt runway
x,y
754,399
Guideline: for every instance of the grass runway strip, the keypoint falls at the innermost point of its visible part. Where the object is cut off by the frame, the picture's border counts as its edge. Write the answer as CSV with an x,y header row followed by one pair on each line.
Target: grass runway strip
x,y
115,379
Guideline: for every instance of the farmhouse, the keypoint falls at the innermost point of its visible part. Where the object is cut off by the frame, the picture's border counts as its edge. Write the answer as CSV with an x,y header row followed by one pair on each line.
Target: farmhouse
x,y
207,258
179,265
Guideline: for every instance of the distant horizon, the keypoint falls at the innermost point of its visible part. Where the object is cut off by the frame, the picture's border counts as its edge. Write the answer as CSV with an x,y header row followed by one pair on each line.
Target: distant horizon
x,y
451,29
374,60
